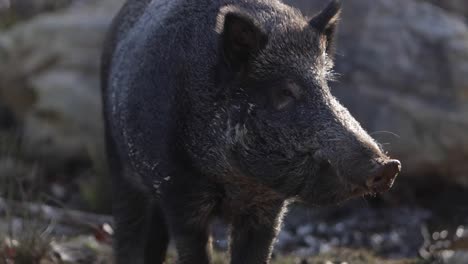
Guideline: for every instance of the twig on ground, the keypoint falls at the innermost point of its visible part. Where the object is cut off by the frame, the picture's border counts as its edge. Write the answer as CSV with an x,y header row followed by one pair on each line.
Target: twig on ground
x,y
53,214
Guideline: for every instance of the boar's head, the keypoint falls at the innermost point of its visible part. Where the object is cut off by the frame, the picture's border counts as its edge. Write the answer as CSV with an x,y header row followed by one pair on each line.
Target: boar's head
x,y
286,129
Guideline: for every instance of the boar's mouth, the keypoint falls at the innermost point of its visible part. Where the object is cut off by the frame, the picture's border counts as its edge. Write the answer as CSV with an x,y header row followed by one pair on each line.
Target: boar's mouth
x,y
317,182
328,186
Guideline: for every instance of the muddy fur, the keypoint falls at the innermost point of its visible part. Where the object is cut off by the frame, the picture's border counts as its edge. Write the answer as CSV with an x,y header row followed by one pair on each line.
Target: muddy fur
x,y
221,108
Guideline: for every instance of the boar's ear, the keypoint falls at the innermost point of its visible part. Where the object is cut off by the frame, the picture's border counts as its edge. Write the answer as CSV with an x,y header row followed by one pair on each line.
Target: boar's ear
x,y
326,21
241,39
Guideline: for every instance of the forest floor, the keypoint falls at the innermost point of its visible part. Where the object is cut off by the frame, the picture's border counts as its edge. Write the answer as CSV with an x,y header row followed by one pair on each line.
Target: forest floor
x,y
358,232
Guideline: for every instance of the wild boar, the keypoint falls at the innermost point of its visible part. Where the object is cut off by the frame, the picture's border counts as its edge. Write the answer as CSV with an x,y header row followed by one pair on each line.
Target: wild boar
x,y
221,108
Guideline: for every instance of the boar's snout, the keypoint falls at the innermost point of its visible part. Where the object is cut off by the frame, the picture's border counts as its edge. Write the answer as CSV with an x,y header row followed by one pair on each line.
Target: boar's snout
x,y
383,177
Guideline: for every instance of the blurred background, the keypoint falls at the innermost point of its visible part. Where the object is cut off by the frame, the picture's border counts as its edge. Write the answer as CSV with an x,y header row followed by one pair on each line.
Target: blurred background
x,y
403,73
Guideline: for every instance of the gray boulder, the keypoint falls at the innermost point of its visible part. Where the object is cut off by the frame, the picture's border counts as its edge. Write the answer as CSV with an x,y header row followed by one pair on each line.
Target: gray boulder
x,y
49,76
458,7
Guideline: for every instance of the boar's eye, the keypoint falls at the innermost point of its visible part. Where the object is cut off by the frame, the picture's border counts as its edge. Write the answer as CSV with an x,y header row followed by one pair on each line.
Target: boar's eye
x,y
283,98
287,93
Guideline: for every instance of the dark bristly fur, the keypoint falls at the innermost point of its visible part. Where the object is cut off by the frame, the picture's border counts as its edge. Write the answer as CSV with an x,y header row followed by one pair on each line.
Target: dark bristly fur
x,y
221,108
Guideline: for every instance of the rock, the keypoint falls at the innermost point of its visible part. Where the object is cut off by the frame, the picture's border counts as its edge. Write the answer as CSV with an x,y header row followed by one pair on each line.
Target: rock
x,y
305,230
453,257
286,240
4,4
404,75
49,77
28,8
13,12
82,249
459,7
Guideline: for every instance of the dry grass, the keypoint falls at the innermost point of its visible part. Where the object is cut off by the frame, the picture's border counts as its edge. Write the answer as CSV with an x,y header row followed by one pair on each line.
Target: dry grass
x,y
23,238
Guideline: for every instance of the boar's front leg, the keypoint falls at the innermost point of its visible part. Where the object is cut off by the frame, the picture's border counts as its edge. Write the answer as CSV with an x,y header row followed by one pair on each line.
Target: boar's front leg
x,y
188,206
192,245
252,236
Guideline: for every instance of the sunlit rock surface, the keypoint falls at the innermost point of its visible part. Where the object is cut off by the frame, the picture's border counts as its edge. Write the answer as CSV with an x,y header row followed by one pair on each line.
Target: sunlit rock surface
x,y
49,77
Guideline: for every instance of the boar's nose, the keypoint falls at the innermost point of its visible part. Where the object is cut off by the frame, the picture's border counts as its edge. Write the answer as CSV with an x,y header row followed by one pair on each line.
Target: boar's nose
x,y
383,178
